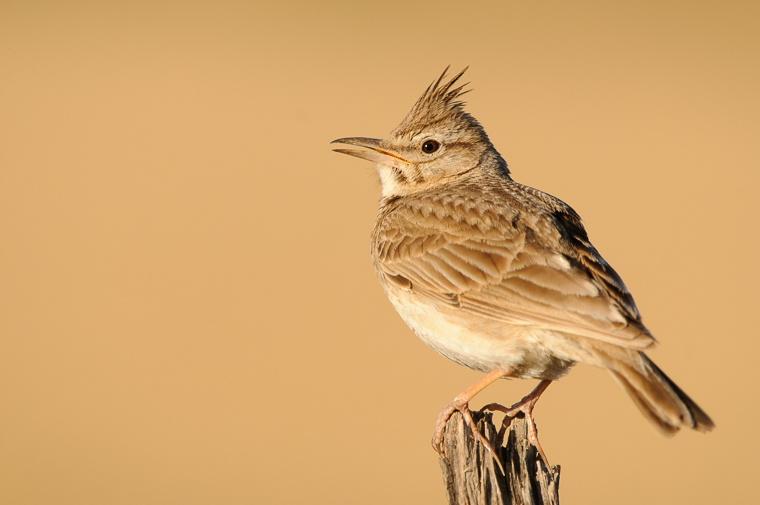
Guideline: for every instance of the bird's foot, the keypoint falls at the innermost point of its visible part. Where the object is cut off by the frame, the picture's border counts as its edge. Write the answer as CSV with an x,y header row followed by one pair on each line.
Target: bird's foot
x,y
525,406
460,404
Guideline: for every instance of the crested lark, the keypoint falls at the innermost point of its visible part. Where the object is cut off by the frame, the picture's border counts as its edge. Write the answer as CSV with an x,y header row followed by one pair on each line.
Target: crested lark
x,y
498,276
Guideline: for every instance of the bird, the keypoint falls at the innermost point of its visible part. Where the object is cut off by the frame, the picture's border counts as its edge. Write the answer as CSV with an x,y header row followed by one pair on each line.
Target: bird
x,y
498,276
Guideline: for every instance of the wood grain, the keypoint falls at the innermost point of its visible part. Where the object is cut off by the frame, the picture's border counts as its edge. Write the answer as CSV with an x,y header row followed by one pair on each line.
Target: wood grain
x,y
472,477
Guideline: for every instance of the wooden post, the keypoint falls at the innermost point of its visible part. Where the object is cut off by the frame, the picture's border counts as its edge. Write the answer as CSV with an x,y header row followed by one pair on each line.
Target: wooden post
x,y
472,477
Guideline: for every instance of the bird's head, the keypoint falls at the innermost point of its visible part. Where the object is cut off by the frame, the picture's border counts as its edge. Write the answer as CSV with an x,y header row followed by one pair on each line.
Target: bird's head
x,y
435,143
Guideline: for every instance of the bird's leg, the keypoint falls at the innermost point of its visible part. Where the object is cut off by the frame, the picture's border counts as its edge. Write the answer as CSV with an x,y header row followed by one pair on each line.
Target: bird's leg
x,y
525,406
460,403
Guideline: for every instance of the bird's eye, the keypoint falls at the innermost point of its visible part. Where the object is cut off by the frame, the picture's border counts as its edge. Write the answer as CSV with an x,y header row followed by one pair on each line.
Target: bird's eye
x,y
430,146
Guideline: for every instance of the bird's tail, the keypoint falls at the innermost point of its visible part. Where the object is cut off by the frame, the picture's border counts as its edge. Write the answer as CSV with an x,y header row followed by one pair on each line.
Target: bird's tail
x,y
659,399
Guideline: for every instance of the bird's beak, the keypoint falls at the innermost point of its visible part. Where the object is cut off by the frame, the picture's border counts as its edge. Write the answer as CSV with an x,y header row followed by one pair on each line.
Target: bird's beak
x,y
376,153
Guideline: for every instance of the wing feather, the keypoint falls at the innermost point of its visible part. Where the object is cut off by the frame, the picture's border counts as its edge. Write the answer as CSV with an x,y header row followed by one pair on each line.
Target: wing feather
x,y
504,269
570,282
478,272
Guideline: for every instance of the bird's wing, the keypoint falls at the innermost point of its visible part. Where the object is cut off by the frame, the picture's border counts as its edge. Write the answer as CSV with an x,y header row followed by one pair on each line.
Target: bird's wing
x,y
490,264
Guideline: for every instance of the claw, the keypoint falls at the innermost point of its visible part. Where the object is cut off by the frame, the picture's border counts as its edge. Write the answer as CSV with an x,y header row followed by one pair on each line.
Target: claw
x,y
461,403
458,404
525,406
479,436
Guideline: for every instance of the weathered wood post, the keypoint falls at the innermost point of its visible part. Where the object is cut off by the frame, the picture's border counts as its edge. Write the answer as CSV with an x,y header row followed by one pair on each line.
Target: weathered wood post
x,y
472,476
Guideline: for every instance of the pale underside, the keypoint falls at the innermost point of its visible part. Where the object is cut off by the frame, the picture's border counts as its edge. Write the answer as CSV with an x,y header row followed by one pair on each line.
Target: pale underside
x,y
489,283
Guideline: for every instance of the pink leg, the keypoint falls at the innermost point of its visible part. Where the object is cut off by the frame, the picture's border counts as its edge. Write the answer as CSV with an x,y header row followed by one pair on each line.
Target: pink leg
x,y
525,406
460,403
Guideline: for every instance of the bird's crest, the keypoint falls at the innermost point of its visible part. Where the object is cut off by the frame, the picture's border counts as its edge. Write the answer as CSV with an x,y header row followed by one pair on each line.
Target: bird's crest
x,y
439,102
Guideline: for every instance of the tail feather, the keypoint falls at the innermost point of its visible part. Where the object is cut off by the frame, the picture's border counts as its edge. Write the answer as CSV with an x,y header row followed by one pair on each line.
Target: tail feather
x,y
700,421
646,408
659,399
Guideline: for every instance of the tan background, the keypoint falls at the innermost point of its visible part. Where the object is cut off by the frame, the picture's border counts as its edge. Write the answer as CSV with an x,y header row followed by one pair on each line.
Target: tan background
x,y
188,310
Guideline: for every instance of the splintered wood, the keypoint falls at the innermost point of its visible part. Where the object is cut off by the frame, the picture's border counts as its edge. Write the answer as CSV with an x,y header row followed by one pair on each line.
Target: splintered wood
x,y
472,476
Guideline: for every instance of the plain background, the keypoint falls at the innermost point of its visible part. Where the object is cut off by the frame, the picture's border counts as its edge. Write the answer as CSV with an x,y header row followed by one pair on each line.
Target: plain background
x,y
188,311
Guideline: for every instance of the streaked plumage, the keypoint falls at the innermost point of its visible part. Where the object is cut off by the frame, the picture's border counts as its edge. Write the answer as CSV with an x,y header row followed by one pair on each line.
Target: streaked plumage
x,y
496,275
